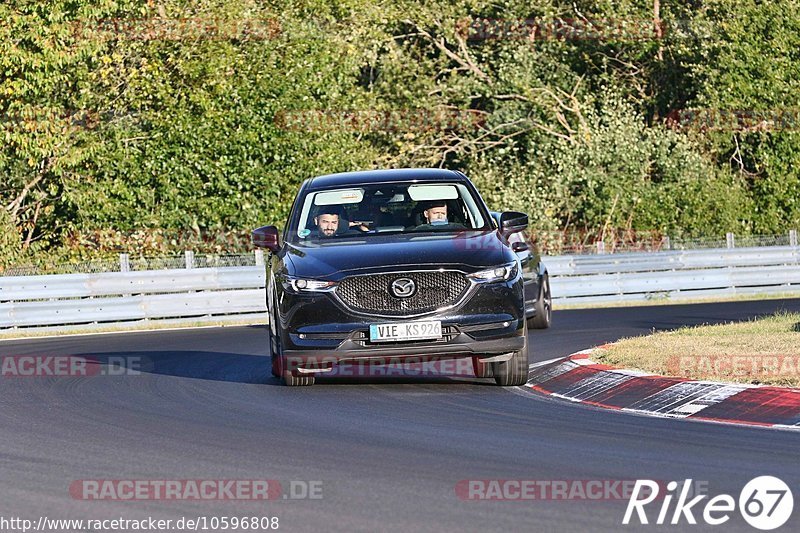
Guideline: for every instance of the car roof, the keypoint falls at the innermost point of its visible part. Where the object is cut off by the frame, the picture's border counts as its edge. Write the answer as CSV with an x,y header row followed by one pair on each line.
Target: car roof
x,y
384,175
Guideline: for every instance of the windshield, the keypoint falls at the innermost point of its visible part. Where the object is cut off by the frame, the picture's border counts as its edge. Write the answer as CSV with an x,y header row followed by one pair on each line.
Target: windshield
x,y
377,209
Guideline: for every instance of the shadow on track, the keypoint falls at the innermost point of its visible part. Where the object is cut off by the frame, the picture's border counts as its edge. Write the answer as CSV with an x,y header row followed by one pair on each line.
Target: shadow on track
x,y
215,366
243,368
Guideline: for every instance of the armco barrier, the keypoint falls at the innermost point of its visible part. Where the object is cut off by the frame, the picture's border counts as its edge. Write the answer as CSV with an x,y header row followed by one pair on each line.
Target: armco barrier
x,y
675,275
74,299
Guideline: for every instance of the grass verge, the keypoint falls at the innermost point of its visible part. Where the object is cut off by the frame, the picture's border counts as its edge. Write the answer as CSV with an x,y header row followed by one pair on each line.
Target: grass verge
x,y
679,301
760,351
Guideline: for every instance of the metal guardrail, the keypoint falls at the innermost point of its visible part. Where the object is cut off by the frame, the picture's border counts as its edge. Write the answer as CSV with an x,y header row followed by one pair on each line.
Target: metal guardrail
x,y
202,293
631,277
70,299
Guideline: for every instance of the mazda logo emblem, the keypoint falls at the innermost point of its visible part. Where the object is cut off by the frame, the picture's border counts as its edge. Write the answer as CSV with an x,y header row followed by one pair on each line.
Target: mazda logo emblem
x,y
403,287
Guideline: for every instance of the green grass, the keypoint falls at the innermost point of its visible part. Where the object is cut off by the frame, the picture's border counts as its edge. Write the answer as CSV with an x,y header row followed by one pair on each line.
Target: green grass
x,y
760,351
682,301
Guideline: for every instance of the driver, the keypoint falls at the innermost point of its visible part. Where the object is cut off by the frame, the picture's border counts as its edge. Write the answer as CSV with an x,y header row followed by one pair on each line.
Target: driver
x,y
327,221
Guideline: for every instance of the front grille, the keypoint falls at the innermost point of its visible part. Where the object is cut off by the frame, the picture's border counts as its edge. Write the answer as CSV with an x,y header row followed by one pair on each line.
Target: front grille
x,y
370,293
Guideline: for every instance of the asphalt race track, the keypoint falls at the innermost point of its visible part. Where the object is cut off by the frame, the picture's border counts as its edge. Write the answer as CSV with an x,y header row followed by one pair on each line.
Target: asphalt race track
x,y
388,451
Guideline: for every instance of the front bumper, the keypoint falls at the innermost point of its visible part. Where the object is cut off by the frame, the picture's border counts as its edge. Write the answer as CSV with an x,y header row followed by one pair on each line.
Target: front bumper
x,y
353,351
317,332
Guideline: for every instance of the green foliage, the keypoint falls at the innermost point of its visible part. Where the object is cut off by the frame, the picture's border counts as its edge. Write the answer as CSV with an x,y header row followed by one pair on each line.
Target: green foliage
x,y
753,63
10,240
619,174
138,115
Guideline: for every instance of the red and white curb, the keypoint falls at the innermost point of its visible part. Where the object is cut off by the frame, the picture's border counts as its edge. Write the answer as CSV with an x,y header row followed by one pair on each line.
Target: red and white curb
x,y
579,379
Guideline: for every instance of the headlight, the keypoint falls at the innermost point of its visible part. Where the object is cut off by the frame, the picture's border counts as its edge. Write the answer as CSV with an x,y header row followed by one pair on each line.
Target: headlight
x,y
501,273
308,285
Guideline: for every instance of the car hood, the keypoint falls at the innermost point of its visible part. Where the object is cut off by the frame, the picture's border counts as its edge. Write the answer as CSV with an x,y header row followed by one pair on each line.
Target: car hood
x,y
468,250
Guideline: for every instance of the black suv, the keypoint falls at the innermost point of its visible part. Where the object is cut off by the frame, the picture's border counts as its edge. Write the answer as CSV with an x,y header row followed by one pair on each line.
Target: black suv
x,y
400,265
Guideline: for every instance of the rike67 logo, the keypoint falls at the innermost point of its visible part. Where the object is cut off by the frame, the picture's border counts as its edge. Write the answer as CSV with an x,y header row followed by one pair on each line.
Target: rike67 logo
x,y
765,503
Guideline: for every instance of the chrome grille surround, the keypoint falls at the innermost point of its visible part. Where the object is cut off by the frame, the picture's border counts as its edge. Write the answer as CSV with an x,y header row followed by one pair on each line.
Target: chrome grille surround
x,y
370,293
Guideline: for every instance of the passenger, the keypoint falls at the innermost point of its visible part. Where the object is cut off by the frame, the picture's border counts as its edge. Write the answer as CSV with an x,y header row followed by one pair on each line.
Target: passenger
x,y
435,214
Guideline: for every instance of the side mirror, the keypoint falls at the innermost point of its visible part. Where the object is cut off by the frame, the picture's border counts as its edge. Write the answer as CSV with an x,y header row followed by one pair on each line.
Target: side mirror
x,y
512,222
266,237
495,217
519,246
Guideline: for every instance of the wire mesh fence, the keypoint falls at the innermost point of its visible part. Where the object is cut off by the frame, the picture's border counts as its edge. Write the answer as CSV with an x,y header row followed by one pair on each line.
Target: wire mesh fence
x,y
582,243
221,261
79,267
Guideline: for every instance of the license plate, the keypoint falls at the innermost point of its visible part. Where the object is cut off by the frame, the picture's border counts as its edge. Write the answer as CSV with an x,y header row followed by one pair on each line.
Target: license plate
x,y
405,331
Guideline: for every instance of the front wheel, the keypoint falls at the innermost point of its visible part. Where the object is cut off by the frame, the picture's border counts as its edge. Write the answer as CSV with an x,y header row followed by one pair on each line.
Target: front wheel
x,y
274,350
280,367
291,380
543,307
513,372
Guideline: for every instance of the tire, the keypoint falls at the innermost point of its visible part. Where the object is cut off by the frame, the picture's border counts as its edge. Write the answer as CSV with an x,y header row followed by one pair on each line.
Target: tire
x,y
272,343
273,349
291,380
543,307
280,368
482,370
513,372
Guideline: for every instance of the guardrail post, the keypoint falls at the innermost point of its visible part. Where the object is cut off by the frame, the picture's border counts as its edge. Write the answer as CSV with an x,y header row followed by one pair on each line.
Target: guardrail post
x,y
259,257
666,243
189,259
124,263
731,240
792,237
601,247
